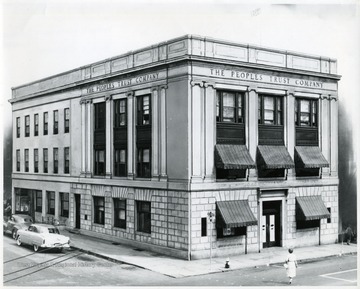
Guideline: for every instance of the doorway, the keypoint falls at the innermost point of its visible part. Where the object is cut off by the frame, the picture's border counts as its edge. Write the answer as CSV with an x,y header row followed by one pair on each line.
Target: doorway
x,y
271,224
77,210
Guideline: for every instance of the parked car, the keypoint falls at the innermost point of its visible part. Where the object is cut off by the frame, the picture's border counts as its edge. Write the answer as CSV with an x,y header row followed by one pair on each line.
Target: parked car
x,y
42,236
15,223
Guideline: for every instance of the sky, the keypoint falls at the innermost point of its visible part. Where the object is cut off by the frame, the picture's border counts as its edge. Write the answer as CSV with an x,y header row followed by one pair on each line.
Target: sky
x,y
42,38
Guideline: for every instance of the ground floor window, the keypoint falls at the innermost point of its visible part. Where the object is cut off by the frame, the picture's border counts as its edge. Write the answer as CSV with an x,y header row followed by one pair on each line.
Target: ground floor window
x,y
120,213
64,205
144,216
51,202
230,232
99,210
307,224
300,172
38,201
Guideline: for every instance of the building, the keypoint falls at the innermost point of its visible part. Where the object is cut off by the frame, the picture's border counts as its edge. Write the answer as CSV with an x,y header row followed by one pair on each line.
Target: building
x,y
190,143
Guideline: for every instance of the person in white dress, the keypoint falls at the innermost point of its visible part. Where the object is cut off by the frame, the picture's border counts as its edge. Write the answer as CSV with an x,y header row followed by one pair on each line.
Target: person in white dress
x,y
291,265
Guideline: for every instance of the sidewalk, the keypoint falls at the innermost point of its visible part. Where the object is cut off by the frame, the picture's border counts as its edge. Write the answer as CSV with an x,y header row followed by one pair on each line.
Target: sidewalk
x,y
177,268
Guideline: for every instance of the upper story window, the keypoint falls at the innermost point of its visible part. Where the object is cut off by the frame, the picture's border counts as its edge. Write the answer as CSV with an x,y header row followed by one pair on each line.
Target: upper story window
x,y
46,122
18,160
56,122
36,125
99,162
26,160
36,160
143,163
100,116
270,110
56,160
119,112
143,110
27,126
66,160
229,107
18,127
46,160
120,162
306,112
66,120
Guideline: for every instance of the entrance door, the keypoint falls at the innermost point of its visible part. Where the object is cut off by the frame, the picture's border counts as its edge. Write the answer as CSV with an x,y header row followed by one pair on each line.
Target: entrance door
x,y
77,210
270,224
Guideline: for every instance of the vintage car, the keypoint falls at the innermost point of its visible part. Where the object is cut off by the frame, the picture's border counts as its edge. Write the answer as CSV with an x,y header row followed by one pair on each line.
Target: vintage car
x,y
17,222
41,236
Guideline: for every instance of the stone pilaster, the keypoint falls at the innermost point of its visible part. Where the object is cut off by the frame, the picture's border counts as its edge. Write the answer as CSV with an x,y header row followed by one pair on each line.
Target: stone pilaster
x,y
155,134
108,135
251,129
43,200
210,128
334,136
290,129
83,138
88,138
57,205
324,131
131,108
163,132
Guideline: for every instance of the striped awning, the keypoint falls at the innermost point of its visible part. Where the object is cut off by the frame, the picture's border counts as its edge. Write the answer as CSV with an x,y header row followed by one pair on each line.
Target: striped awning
x,y
233,157
311,208
234,214
309,157
274,157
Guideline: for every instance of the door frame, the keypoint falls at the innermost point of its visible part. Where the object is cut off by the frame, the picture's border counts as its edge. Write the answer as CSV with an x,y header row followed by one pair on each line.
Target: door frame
x,y
272,195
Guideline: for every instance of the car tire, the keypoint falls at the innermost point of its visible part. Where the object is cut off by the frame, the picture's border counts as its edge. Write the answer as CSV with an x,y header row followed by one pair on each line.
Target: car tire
x,y
13,233
18,241
36,248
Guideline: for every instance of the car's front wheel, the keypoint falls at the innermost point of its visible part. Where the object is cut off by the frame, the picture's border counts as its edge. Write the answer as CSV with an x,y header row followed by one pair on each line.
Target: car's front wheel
x,y
36,248
18,241
14,234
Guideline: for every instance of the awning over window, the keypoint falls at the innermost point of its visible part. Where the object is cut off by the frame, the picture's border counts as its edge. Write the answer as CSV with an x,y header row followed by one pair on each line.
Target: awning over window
x,y
311,208
309,157
230,156
274,157
233,214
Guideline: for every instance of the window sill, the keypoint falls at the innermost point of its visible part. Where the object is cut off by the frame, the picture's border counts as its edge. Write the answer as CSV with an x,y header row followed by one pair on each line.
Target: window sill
x,y
119,229
231,180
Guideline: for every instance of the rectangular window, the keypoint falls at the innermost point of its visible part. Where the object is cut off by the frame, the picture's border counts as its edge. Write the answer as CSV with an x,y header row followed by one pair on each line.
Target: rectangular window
x,y
99,169
18,160
100,116
36,125
120,112
18,127
270,110
120,162
307,224
143,110
329,219
27,126
46,160
144,217
229,107
66,160
120,213
143,163
64,205
46,122
36,160
56,160
26,160
51,202
56,122
66,120
306,112
38,201
203,227
99,210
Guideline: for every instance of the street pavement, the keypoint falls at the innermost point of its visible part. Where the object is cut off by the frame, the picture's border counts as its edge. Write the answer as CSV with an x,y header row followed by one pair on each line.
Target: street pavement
x,y
177,268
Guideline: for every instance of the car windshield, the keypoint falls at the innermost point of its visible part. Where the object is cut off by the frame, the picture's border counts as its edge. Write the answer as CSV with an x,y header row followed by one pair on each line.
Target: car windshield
x,y
48,230
27,220
53,231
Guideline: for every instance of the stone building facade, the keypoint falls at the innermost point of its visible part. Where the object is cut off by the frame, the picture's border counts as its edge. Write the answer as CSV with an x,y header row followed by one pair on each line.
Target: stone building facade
x,y
190,143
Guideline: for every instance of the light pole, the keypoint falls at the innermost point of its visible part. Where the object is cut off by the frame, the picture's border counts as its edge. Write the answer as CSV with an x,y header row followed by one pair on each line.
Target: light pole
x,y
211,216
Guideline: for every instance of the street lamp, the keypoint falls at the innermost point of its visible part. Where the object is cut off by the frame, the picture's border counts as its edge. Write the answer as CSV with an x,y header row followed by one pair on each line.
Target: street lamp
x,y
211,216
